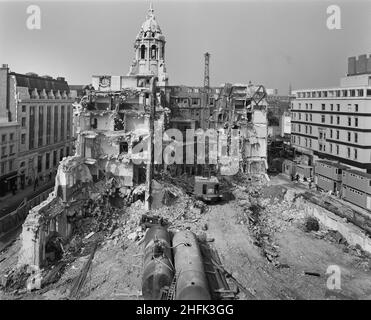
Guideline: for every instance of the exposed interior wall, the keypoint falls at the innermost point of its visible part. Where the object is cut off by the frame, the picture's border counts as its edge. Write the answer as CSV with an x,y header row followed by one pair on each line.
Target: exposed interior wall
x,y
44,220
51,217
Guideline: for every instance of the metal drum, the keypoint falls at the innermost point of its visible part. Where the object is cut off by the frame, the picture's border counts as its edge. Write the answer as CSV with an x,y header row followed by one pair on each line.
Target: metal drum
x,y
191,281
158,265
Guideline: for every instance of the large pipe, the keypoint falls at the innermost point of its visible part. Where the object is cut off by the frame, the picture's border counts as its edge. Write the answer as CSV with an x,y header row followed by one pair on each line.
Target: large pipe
x,y
158,266
191,281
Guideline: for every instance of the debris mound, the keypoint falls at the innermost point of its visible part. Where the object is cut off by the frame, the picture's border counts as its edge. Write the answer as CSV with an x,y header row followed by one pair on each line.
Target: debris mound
x,y
16,279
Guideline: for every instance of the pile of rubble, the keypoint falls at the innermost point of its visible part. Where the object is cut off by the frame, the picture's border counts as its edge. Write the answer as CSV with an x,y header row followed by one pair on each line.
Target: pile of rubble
x,y
15,280
178,211
266,211
269,210
97,223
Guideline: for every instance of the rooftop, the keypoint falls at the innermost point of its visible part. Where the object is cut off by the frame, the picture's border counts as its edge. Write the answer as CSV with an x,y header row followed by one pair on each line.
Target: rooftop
x,y
33,81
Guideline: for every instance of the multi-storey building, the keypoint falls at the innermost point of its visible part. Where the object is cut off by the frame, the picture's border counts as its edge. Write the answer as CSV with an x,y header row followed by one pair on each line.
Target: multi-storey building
x,y
42,109
191,107
244,107
334,123
8,156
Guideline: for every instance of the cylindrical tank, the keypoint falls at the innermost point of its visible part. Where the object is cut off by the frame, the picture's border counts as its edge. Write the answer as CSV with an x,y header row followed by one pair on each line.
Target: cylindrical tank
x,y
158,265
191,281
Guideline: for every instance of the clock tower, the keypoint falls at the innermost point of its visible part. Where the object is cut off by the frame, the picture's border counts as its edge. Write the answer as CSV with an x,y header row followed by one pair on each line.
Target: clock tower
x,y
150,51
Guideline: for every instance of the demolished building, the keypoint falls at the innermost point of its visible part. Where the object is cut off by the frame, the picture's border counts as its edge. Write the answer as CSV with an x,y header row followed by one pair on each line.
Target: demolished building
x,y
114,131
244,107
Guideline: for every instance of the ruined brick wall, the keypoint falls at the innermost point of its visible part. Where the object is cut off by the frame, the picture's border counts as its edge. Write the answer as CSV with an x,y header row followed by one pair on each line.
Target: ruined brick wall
x,y
47,218
50,216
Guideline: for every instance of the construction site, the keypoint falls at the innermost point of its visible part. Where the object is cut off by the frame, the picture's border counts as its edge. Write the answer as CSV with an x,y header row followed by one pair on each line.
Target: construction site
x,y
167,197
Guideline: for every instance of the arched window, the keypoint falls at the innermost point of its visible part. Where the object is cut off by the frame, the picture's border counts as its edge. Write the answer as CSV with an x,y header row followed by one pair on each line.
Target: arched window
x,y
153,52
162,52
153,34
143,51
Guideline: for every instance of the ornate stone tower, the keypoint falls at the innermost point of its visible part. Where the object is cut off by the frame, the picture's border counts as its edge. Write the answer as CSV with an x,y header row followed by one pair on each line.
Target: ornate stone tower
x,y
150,51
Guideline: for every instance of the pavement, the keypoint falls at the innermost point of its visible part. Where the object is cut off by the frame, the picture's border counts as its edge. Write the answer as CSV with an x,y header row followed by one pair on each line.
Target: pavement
x,y
10,202
9,238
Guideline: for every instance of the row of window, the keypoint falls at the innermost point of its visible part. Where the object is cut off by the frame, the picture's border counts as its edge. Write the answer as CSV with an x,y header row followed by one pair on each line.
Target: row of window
x,y
153,52
349,135
322,147
40,166
324,179
309,118
357,176
354,190
334,93
191,90
323,165
350,107
322,133
5,136
194,101
4,151
293,127
3,166
47,166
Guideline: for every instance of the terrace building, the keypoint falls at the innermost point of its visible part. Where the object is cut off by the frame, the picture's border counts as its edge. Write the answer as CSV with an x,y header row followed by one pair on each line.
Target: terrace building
x,y
36,130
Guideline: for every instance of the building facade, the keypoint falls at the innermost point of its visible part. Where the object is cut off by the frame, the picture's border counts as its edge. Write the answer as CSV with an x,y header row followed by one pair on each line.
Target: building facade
x,y
41,109
191,107
334,123
243,107
356,188
9,136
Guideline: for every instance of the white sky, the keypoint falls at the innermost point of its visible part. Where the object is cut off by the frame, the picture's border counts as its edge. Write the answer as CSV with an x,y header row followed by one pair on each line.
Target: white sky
x,y
270,42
